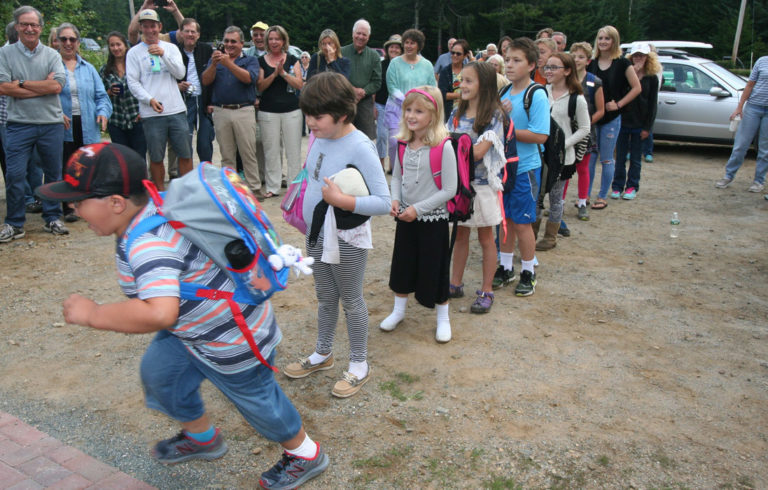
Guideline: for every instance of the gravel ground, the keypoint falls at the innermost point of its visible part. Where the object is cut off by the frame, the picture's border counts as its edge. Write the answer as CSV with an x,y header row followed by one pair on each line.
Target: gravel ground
x,y
640,362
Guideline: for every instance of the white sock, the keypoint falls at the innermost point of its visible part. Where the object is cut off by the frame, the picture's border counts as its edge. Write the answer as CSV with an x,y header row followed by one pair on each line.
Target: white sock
x,y
359,369
306,450
398,313
443,333
582,202
528,264
506,260
316,358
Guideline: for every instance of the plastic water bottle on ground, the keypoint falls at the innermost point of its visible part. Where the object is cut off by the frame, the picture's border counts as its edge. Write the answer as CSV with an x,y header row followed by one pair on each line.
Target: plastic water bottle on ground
x,y
674,226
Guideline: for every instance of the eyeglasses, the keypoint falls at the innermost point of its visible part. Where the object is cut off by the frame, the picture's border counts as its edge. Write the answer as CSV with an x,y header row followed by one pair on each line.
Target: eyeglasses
x,y
30,24
457,53
551,67
230,41
64,39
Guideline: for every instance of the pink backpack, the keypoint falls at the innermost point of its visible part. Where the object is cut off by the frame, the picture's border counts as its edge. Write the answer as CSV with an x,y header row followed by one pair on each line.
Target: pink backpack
x,y
460,205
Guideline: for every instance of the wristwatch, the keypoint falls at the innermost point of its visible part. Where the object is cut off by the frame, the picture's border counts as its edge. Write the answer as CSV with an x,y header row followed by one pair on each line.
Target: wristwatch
x,y
21,83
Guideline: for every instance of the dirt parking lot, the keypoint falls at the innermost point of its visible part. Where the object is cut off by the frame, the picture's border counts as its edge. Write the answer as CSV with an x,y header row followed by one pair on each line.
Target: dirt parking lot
x,y
640,362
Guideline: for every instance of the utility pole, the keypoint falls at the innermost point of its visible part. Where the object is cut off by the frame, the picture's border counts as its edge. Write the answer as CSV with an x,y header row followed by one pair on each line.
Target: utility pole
x,y
735,51
131,8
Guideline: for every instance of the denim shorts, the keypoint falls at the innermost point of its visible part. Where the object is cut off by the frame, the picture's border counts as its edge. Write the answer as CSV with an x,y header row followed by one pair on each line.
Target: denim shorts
x,y
173,128
520,202
171,376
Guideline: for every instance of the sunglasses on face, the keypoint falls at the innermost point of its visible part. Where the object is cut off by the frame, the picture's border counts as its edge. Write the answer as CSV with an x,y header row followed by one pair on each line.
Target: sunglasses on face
x,y
65,39
230,41
457,53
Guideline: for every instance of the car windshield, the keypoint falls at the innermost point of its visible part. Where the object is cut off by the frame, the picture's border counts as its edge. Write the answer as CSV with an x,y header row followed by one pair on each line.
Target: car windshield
x,y
733,80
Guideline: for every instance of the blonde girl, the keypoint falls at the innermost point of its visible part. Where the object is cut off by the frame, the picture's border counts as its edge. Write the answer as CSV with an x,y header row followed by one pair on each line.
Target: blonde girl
x,y
421,259
480,115
620,87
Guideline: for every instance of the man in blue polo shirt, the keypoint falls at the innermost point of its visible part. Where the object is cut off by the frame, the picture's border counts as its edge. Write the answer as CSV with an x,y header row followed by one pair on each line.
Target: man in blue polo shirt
x,y
233,77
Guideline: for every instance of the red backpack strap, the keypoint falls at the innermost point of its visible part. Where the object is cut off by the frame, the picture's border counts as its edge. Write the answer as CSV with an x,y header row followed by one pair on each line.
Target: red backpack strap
x,y
436,162
401,153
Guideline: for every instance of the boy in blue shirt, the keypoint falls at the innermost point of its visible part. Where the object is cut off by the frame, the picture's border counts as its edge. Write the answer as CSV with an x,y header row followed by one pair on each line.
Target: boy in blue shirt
x,y
530,131
196,340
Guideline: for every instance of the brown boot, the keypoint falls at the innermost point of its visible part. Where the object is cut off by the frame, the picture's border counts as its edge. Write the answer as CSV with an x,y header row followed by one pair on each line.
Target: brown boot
x,y
550,237
536,225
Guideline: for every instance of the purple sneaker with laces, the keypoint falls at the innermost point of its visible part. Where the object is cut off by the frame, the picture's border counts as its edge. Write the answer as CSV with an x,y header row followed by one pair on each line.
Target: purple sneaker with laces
x,y
482,303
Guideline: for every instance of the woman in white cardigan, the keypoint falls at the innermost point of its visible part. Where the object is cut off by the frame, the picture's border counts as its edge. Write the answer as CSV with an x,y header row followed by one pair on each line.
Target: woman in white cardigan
x,y
562,84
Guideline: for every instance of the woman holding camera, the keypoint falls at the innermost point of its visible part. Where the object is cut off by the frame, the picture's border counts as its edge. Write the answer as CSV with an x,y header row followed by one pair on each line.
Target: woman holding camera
x,y
124,125
328,56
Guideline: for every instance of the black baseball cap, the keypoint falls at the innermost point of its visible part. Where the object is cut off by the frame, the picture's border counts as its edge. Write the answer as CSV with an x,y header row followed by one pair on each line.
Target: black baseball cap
x,y
98,170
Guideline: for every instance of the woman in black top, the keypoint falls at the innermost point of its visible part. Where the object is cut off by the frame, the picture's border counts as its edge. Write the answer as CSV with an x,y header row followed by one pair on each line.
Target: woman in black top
x,y
636,122
279,113
450,76
392,49
620,87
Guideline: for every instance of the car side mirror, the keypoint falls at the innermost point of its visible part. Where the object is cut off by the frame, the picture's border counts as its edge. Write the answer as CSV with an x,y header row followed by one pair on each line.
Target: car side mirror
x,y
719,92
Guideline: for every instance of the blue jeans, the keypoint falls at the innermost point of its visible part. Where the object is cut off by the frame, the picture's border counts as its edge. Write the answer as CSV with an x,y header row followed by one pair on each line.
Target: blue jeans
x,y
171,377
34,178
629,141
382,132
198,118
132,138
20,141
647,146
754,121
607,134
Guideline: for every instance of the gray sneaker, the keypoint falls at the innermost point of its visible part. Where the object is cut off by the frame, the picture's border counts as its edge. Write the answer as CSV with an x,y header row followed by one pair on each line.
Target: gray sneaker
x,y
723,183
182,448
756,187
10,232
583,213
292,471
56,227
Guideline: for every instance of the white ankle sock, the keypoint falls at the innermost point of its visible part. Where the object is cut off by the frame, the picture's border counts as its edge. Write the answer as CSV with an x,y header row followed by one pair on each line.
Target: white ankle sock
x,y
443,333
306,450
398,313
582,203
316,358
506,260
528,264
359,369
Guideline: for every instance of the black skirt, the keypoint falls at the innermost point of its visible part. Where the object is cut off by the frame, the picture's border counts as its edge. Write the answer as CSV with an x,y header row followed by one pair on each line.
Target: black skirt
x,y
421,262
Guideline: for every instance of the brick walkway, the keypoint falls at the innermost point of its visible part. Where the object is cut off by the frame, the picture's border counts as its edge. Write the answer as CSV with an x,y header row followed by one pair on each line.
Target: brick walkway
x,y
32,459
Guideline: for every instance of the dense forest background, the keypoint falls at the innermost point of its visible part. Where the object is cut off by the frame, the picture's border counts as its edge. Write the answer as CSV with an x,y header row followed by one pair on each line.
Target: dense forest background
x,y
478,21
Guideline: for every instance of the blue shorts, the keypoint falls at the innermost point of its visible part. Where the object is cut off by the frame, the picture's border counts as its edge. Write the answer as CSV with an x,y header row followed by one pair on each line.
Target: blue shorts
x,y
174,129
520,202
171,376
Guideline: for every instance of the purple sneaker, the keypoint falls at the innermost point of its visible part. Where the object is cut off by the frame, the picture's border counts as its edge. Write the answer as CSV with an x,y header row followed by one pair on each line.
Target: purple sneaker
x,y
482,303
182,448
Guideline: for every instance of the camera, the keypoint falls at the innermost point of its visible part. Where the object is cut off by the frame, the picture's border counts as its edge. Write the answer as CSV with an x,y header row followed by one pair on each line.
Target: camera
x,y
220,47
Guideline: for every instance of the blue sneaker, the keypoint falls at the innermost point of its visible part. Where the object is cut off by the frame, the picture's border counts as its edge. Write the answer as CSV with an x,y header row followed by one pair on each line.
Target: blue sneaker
x,y
182,448
649,158
563,230
615,194
629,194
292,471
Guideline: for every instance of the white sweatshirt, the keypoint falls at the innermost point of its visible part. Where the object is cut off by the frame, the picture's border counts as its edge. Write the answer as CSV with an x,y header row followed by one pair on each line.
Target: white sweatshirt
x,y
146,84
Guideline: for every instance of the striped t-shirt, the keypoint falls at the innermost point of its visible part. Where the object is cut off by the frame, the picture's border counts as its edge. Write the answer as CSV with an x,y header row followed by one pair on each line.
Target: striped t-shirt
x,y
159,260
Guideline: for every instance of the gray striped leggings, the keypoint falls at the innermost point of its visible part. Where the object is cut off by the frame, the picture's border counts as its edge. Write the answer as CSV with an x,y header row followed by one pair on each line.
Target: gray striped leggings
x,y
341,281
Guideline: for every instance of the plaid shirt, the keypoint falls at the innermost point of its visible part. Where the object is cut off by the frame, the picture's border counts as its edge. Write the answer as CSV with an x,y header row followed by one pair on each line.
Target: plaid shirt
x,y
3,109
125,107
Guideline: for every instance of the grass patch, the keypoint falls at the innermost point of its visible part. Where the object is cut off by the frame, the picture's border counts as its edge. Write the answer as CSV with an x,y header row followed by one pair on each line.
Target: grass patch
x,y
502,483
395,391
372,462
603,460
664,461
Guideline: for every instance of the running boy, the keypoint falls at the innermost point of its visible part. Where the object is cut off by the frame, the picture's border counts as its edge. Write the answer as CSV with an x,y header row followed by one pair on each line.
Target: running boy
x,y
520,202
196,340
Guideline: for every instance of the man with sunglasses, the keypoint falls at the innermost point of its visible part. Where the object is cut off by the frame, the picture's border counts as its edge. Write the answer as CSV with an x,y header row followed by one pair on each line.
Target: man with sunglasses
x,y
232,77
32,76
152,68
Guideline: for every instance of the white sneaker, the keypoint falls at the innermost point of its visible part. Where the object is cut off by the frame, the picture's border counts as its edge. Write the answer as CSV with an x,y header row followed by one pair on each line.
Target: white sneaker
x,y
390,323
723,183
443,333
756,187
